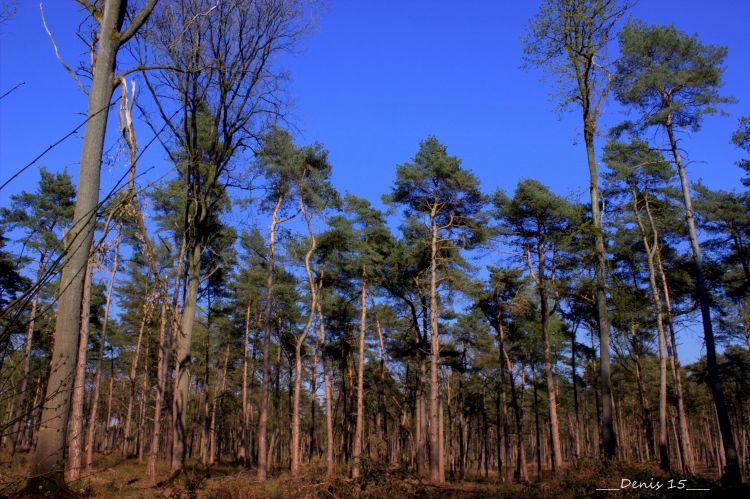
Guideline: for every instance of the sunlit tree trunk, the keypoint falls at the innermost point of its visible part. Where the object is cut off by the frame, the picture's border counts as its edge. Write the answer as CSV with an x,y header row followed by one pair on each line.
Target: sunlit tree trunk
x,y
359,427
330,466
732,472
75,433
435,467
145,318
183,359
267,319
52,437
94,409
161,369
656,299
21,407
295,444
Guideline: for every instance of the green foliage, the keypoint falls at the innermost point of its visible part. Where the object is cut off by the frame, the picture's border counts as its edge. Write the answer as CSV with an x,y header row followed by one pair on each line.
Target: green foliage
x,y
11,280
569,39
741,138
434,184
43,215
670,76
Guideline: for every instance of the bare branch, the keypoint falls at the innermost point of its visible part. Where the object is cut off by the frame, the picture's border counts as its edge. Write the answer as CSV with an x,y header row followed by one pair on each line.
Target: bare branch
x,y
137,22
57,53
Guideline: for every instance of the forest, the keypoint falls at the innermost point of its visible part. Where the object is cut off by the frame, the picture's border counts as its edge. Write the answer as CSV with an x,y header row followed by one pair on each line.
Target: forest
x,y
196,309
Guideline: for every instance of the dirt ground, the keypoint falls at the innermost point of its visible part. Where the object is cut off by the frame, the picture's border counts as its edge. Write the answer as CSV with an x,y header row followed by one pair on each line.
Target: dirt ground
x,y
115,478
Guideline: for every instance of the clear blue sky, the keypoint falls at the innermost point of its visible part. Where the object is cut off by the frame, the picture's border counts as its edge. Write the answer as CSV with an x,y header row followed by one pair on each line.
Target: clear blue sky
x,y
374,79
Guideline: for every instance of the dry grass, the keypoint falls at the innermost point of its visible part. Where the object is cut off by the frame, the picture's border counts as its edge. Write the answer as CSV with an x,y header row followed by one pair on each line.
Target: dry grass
x,y
222,481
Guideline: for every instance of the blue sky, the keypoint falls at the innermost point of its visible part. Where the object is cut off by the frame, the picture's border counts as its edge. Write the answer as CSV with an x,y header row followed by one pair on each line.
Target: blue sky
x,y
375,78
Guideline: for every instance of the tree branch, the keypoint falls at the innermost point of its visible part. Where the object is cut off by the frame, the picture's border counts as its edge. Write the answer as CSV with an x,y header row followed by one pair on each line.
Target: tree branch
x,y
57,53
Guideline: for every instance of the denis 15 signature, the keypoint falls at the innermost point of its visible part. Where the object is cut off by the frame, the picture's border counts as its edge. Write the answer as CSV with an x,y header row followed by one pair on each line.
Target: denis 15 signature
x,y
653,484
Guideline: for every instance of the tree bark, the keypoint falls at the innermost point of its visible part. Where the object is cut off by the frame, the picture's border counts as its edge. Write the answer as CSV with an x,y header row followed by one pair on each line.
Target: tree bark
x,y
183,359
330,470
75,434
656,299
435,467
551,389
732,474
20,410
359,427
161,369
608,436
685,440
48,455
244,434
145,318
94,409
267,318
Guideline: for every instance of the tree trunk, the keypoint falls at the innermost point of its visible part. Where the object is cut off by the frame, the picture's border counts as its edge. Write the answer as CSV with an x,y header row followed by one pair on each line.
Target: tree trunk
x,y
359,427
244,434
142,406
645,412
52,435
328,397
685,440
551,389
75,434
145,318
94,409
656,299
732,474
295,450
576,405
381,389
267,316
608,437
159,395
20,410
435,466
537,433
183,360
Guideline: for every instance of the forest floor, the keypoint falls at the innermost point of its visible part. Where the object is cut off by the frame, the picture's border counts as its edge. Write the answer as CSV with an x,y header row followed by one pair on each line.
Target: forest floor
x,y
128,480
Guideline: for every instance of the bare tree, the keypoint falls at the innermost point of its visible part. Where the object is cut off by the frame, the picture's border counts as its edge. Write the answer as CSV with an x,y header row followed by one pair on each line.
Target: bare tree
x,y
217,94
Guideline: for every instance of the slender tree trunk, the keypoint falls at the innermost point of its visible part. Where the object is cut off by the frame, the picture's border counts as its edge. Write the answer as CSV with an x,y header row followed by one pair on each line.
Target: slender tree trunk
x,y
267,316
551,389
161,369
75,434
244,451
608,437
170,359
645,412
538,438
94,409
20,410
576,408
295,450
359,427
142,407
145,318
685,440
435,466
328,397
217,400
381,388
656,299
732,474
